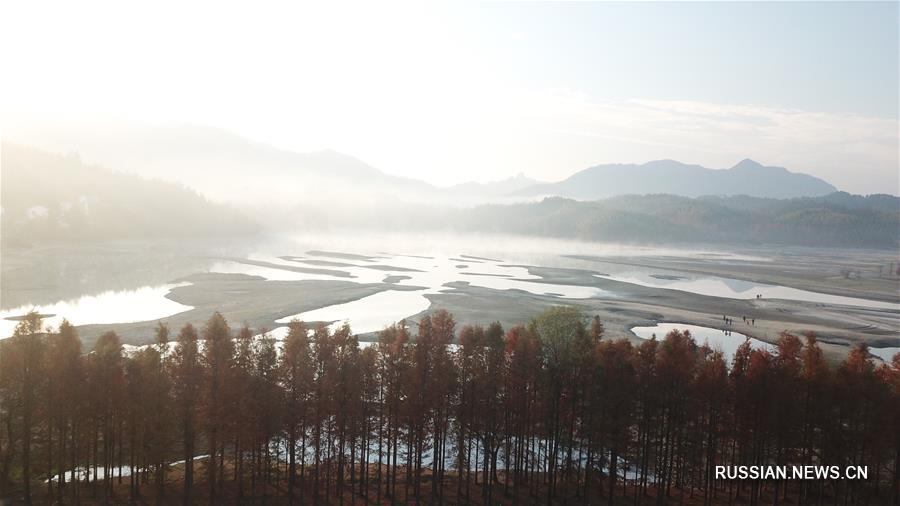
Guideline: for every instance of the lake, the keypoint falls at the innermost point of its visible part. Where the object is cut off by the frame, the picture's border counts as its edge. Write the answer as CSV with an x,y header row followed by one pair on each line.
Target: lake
x,y
409,270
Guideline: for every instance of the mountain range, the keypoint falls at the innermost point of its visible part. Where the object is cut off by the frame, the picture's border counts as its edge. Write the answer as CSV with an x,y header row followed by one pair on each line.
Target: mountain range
x,y
675,178
50,197
226,167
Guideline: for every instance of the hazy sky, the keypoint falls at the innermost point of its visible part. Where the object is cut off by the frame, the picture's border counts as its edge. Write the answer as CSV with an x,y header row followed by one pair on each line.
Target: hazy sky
x,y
449,93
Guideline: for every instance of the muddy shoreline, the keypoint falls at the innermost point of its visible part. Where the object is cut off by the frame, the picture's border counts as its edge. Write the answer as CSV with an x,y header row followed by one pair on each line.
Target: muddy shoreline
x,y
259,302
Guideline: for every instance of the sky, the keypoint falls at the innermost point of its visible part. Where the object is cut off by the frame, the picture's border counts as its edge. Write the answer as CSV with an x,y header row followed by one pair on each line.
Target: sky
x,y
449,93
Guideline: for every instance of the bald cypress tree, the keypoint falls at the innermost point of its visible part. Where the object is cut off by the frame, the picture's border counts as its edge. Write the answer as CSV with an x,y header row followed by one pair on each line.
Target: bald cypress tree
x,y
322,401
371,408
346,398
244,405
218,356
489,382
676,361
268,402
22,374
597,329
392,350
616,381
519,396
187,377
296,376
66,393
468,361
711,386
106,377
161,424
138,371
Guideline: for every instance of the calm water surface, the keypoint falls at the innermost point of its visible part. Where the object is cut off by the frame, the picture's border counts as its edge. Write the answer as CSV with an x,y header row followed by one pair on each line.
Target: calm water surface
x,y
738,289
717,340
126,306
426,264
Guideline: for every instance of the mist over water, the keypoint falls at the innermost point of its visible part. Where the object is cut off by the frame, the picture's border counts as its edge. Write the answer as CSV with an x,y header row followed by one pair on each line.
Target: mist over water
x,y
135,289
416,264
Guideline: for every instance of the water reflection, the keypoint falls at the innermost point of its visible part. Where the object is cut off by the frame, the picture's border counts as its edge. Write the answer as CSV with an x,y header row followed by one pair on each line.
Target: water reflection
x,y
368,314
143,304
428,263
885,354
433,274
717,339
739,289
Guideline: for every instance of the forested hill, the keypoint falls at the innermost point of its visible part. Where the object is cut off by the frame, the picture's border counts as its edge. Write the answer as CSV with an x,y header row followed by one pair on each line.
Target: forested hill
x,y
52,197
838,219
670,176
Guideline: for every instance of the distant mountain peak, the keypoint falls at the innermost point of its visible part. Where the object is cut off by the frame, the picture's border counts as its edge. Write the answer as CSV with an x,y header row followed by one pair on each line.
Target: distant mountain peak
x,y
662,162
747,163
748,177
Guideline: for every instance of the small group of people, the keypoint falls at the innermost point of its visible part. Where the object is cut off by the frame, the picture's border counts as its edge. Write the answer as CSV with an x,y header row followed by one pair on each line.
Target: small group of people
x,y
759,296
730,321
